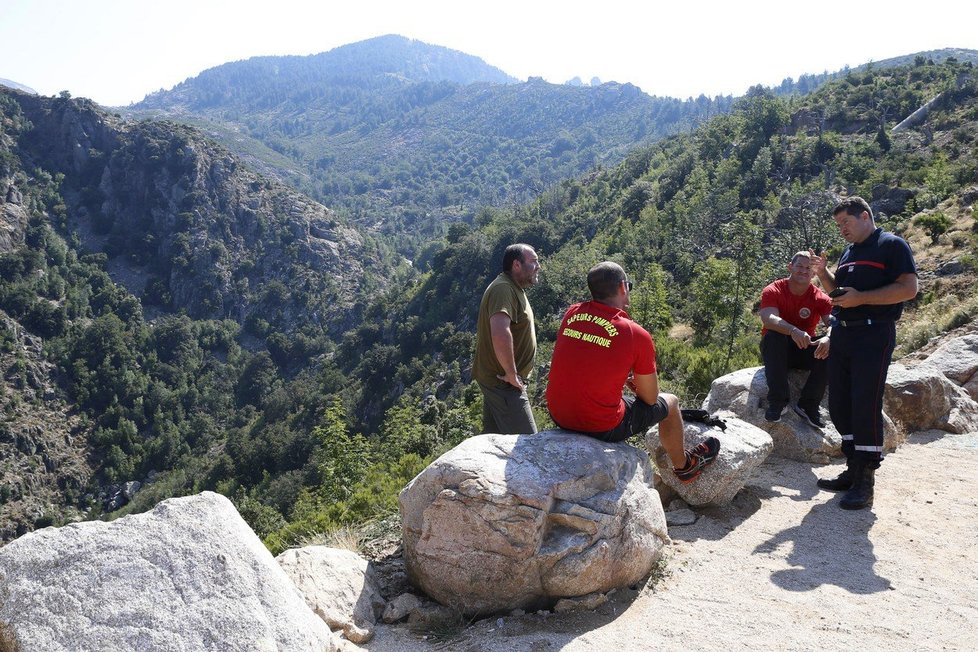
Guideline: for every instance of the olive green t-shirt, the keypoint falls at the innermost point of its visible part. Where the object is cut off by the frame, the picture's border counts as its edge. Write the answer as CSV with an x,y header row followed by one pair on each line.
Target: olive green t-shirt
x,y
503,295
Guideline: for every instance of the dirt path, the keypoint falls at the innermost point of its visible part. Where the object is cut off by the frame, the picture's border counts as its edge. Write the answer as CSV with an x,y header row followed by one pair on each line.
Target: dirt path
x,y
783,568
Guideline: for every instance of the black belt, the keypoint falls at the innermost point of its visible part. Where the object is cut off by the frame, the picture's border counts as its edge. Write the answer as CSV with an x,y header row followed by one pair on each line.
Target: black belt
x,y
860,322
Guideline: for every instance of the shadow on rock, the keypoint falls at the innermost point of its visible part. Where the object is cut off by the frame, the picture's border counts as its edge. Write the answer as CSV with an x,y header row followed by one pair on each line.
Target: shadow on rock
x,y
829,546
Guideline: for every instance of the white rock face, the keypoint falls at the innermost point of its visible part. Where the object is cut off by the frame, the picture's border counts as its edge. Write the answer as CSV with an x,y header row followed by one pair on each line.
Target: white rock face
x,y
505,522
189,575
923,398
339,586
743,448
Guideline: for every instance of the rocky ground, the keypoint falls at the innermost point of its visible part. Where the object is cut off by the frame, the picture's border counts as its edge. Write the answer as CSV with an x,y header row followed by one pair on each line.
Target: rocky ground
x,y
782,567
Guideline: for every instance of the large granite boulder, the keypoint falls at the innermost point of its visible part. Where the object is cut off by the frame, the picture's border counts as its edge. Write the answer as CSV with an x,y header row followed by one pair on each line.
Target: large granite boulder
x,y
743,448
339,586
188,575
744,392
958,360
923,398
505,522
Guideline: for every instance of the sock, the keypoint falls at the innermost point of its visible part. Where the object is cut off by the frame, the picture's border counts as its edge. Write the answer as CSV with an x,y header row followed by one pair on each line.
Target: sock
x,y
689,463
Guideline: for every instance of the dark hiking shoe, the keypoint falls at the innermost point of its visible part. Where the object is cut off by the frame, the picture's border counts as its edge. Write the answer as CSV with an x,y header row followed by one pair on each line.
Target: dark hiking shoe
x,y
860,496
773,414
841,483
698,458
809,416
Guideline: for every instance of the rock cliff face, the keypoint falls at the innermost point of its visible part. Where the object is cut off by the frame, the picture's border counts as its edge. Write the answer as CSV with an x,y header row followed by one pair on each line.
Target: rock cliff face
x,y
178,222
184,226
43,451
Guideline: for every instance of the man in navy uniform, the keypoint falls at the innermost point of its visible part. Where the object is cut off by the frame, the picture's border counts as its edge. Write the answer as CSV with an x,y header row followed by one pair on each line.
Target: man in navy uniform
x,y
875,275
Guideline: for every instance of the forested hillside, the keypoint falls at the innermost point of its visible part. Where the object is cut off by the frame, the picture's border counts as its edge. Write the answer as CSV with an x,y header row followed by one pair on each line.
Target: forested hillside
x,y
274,372
106,224
405,137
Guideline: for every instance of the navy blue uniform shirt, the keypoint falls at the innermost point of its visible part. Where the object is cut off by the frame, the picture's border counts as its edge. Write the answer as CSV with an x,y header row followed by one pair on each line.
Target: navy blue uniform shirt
x,y
876,261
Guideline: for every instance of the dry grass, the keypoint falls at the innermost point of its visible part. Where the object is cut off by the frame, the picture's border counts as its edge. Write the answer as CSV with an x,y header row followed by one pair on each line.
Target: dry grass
x,y
943,314
345,538
365,539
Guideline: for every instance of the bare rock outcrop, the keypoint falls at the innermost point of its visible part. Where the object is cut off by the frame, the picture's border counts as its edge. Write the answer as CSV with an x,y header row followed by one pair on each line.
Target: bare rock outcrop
x,y
504,522
743,447
923,398
188,575
958,360
744,392
339,586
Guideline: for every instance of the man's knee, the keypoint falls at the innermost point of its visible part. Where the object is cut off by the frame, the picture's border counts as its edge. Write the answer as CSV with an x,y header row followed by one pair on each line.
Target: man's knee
x,y
672,403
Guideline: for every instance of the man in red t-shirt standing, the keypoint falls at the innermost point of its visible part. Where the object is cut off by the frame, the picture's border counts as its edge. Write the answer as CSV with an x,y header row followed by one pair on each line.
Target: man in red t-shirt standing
x,y
790,310
599,350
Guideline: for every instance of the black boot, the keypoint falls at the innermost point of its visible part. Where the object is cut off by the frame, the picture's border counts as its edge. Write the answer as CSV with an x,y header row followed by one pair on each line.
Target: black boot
x,y
861,494
841,483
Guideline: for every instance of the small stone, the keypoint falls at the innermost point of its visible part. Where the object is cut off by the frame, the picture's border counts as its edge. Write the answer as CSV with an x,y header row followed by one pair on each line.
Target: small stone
x,y
588,602
400,607
680,517
357,634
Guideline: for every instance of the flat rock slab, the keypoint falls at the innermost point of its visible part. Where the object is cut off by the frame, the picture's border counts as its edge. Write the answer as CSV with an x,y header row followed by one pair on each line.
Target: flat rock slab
x,y
188,575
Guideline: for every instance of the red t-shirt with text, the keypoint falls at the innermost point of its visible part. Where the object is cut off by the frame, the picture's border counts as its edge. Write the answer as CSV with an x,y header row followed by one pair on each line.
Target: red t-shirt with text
x,y
597,346
804,311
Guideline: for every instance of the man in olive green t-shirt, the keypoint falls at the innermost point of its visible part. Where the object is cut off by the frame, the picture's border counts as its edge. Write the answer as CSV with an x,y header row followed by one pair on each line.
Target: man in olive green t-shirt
x,y
506,343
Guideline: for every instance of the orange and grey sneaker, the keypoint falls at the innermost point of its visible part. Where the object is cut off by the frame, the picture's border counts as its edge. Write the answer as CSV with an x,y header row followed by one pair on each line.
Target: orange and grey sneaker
x,y
698,458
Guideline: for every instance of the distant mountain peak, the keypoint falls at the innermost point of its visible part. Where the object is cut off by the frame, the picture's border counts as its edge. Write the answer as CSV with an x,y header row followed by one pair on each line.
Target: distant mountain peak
x,y
389,57
415,60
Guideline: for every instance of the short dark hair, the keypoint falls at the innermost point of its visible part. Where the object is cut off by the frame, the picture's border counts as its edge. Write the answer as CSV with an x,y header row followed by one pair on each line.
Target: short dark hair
x,y
853,206
514,252
603,280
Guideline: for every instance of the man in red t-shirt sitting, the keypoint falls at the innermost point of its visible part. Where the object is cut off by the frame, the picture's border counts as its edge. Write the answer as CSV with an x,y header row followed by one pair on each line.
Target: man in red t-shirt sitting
x,y
599,350
790,310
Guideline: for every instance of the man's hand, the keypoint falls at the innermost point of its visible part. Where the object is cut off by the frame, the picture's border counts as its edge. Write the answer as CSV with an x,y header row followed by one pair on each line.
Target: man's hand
x,y
513,379
818,262
822,349
848,299
801,339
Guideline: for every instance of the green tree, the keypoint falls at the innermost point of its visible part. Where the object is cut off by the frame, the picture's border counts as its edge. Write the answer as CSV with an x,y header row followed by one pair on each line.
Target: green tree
x,y
934,224
342,459
649,299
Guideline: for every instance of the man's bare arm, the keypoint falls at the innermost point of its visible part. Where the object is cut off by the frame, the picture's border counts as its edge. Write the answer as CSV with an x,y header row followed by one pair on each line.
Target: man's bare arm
x,y
771,318
646,387
502,346
902,289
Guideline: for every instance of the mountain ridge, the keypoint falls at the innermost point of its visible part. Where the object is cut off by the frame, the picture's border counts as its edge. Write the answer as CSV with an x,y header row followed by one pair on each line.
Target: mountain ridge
x,y
414,153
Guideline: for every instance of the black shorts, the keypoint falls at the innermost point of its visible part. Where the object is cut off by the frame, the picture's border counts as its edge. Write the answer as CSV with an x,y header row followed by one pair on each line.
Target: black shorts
x,y
639,417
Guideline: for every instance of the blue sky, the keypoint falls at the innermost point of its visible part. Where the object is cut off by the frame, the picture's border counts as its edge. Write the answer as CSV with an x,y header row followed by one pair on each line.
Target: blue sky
x,y
117,51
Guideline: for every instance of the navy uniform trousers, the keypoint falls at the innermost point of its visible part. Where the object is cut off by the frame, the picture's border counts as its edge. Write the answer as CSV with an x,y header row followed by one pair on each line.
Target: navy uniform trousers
x,y
858,364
